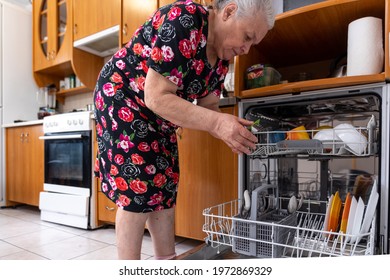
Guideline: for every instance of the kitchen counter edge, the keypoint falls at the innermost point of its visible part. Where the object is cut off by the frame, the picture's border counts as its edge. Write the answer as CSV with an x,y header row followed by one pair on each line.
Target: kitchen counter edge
x,y
26,123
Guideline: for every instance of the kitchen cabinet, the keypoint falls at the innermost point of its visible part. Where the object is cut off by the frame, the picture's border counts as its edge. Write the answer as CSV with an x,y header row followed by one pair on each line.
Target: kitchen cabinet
x,y
52,44
92,16
106,208
54,57
307,40
208,176
134,14
24,164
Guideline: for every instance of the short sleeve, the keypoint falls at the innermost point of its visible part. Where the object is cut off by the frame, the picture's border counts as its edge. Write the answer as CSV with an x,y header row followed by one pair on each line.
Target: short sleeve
x,y
176,32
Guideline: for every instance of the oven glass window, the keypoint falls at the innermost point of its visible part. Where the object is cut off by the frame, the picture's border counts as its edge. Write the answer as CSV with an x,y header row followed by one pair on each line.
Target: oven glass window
x,y
68,162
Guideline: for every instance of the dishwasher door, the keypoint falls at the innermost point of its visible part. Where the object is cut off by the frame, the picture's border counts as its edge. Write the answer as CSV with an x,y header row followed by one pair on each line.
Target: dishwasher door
x,y
319,170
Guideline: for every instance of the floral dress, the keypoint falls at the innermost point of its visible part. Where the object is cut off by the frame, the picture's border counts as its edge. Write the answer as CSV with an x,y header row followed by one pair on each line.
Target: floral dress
x,y
137,160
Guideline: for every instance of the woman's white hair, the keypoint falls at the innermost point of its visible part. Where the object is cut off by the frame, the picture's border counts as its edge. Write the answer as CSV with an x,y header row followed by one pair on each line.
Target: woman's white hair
x,y
248,8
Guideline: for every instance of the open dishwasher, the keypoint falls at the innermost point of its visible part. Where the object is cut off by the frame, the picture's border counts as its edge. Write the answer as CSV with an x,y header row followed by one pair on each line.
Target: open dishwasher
x,y
316,185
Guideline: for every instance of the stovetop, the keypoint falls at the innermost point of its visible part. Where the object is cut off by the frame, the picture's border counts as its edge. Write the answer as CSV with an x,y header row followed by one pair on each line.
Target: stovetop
x,y
67,122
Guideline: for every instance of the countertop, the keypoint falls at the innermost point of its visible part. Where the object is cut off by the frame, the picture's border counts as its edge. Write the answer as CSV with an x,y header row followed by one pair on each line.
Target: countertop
x,y
26,123
226,101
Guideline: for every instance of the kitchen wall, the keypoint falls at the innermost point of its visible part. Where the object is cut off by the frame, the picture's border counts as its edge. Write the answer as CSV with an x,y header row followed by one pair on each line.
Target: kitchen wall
x,y
76,102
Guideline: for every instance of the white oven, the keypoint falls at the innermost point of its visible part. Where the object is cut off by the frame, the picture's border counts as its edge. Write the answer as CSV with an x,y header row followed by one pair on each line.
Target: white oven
x,y
69,190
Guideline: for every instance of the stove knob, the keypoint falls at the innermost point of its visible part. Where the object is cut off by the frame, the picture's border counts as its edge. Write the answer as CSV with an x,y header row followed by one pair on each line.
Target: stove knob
x,y
81,122
75,122
69,122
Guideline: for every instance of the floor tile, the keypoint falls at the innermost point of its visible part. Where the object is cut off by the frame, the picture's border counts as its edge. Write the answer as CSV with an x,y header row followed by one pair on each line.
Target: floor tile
x,y
8,249
23,255
106,253
39,238
18,228
69,248
106,235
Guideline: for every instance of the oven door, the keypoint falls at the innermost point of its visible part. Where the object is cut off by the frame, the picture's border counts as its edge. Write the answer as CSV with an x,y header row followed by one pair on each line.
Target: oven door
x,y
68,162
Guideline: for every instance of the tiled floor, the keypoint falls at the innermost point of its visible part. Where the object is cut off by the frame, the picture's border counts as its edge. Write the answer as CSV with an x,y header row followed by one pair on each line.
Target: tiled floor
x,y
23,236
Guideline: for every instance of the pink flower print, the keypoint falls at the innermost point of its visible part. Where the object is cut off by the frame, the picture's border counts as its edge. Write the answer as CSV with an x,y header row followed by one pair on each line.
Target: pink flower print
x,y
108,89
191,9
103,162
140,101
150,169
146,51
111,194
123,201
185,48
174,13
120,64
111,111
198,65
154,146
176,77
120,53
194,39
99,129
130,103
114,126
125,114
124,143
119,159
167,53
133,85
103,121
99,101
143,66
159,208
173,138
104,187
109,154
156,199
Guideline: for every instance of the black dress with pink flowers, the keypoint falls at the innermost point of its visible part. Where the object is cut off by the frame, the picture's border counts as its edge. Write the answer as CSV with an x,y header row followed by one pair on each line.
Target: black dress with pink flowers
x,y
137,159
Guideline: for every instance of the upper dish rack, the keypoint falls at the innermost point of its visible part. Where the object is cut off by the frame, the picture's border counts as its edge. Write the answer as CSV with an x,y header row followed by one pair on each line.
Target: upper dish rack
x,y
343,140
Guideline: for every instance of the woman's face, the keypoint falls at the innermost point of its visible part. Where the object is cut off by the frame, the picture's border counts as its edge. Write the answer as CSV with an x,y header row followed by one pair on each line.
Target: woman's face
x,y
234,36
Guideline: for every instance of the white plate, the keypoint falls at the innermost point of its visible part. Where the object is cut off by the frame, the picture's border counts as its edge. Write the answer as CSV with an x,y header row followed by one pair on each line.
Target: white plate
x,y
358,220
370,211
355,141
351,217
325,227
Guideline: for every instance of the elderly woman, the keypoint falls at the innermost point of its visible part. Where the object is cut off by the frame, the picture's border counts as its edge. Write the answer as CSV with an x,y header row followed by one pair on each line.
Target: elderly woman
x,y
147,90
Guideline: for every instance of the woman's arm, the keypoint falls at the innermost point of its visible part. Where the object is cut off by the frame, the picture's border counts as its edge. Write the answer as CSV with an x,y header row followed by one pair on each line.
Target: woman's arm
x,y
160,97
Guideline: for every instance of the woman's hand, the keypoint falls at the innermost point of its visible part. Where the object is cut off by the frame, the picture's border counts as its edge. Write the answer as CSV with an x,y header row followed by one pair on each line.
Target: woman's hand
x,y
233,131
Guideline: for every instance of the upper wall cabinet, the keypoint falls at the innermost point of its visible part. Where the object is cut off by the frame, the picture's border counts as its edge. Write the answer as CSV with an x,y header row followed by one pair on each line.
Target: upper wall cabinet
x,y
54,57
52,34
134,14
92,16
306,43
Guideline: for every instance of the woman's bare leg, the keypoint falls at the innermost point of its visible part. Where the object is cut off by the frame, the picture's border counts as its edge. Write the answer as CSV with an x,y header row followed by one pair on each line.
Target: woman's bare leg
x,y
161,225
129,228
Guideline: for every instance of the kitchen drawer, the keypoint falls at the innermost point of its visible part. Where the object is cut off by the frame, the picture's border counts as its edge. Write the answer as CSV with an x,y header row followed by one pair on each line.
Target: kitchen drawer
x,y
106,209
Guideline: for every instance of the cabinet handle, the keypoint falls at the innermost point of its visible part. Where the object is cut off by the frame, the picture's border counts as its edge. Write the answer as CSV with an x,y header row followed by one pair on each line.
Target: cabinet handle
x,y
124,30
110,208
22,137
75,29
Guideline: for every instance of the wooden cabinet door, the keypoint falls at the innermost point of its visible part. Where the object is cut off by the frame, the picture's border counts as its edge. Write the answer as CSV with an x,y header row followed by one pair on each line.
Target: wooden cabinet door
x,y
134,14
92,16
52,44
24,164
208,177
165,2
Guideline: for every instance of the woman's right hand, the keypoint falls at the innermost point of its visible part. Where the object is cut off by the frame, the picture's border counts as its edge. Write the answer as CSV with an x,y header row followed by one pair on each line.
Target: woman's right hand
x,y
233,131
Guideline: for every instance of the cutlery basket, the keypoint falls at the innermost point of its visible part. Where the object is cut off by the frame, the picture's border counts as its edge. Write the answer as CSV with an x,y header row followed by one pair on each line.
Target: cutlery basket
x,y
265,237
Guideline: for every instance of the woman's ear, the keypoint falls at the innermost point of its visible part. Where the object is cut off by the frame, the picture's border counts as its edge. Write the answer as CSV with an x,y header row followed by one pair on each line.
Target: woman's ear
x,y
229,11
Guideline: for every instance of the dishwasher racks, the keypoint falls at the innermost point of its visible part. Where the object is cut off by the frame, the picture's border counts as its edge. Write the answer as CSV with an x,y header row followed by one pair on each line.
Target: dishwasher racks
x,y
281,234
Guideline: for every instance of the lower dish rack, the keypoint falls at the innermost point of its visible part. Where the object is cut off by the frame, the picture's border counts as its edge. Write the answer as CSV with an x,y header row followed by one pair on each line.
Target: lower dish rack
x,y
279,234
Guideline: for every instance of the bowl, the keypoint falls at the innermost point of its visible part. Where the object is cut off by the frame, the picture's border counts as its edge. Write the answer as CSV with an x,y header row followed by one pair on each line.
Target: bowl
x,y
326,135
355,141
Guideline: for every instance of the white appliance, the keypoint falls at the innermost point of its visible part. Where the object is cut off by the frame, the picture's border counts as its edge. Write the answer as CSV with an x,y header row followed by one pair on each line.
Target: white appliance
x,y
69,188
17,86
103,43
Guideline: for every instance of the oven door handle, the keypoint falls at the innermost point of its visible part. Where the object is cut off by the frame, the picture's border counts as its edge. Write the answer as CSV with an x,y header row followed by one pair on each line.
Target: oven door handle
x,y
60,137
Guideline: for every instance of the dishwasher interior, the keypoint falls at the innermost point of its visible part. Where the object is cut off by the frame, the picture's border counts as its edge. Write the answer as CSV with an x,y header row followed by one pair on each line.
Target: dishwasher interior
x,y
315,183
